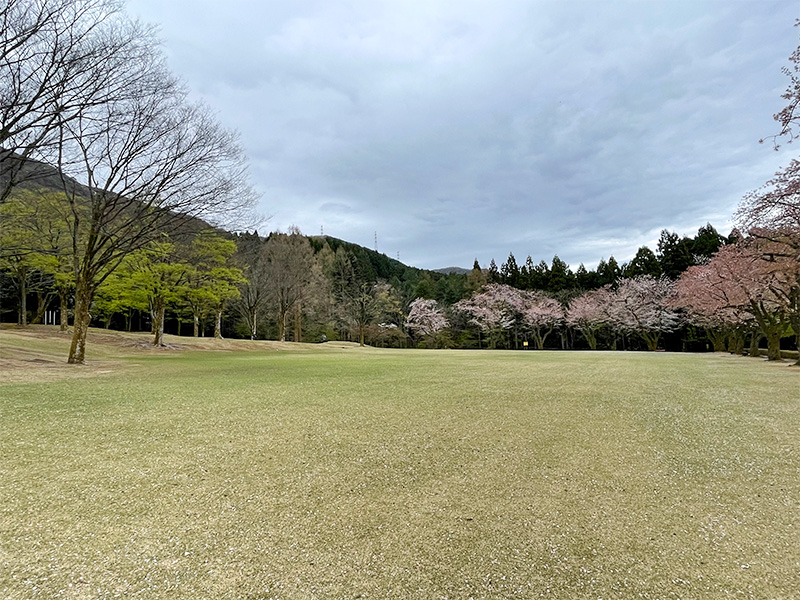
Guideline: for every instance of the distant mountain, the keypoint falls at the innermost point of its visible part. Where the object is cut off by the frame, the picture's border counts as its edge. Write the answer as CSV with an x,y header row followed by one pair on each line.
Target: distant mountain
x,y
32,174
452,271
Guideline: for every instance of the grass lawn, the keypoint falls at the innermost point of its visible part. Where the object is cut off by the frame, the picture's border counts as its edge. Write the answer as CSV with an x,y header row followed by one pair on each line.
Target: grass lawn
x,y
338,472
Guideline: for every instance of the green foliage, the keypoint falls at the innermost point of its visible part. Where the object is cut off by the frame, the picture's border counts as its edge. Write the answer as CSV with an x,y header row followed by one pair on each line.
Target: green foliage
x,y
644,263
674,254
34,243
211,279
608,272
509,272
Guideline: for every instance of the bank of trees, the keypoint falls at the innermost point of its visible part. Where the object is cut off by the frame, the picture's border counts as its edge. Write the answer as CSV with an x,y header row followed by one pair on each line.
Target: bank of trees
x,y
85,88
290,287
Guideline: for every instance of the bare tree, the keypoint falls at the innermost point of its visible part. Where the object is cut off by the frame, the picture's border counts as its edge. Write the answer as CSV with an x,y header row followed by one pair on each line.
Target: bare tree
x,y
289,271
251,257
58,60
152,164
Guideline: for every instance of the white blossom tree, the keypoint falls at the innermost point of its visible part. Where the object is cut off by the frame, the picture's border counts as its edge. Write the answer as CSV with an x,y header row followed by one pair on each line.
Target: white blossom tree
x,y
494,310
640,306
541,315
426,318
588,314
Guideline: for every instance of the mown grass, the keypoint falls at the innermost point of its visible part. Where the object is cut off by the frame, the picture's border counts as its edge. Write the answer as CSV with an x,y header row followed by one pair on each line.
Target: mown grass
x,y
406,474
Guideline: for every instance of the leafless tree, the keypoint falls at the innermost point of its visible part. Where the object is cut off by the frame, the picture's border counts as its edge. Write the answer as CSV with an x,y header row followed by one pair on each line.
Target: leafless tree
x,y
254,292
152,164
290,260
58,60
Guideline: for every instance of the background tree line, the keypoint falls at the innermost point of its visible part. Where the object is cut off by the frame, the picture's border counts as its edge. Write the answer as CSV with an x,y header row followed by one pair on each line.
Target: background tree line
x,y
290,287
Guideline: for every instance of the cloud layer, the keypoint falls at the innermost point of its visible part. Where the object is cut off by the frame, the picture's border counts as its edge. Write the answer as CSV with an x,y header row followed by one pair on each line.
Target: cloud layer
x,y
462,130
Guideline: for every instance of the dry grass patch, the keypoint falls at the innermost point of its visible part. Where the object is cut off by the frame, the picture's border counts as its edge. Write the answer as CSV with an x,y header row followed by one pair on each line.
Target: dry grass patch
x,y
39,352
334,473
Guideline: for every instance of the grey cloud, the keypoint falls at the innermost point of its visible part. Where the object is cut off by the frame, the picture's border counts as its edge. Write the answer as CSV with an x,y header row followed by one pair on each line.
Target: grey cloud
x,y
470,129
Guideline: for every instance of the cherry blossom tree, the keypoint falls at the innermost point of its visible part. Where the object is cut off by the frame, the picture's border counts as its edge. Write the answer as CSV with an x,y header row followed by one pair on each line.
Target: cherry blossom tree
x,y
711,302
640,305
789,116
588,314
774,208
772,212
764,279
425,318
494,310
541,315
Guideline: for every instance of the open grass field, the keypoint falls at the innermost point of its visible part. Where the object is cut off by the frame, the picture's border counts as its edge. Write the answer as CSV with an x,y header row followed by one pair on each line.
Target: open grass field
x,y
338,472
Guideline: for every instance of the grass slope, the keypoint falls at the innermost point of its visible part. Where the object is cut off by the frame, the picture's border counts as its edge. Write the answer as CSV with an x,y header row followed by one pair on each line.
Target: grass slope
x,y
340,473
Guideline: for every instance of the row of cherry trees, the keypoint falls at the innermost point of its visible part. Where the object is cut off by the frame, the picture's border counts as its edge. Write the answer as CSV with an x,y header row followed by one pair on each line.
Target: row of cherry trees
x,y
638,306
747,290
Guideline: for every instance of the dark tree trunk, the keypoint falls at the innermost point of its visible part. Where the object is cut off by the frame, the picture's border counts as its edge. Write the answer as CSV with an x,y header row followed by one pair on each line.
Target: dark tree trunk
x,y
773,346
298,325
83,300
63,298
718,338
754,340
42,301
23,301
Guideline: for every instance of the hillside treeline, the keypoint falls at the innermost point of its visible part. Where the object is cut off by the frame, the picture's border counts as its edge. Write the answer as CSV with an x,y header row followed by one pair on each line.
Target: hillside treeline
x,y
286,286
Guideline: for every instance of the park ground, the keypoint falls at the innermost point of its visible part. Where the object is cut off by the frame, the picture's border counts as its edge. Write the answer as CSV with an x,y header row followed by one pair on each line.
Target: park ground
x,y
256,470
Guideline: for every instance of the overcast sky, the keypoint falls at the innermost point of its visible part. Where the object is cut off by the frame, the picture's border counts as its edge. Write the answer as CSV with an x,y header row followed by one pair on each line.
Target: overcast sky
x,y
458,130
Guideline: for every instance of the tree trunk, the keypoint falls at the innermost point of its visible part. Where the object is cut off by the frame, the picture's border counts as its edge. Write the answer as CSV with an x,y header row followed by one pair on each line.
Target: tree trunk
x,y
42,300
718,338
651,339
159,311
539,340
736,342
253,331
23,301
298,325
83,300
282,325
196,331
754,340
361,335
63,299
795,317
773,346
218,324
591,338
